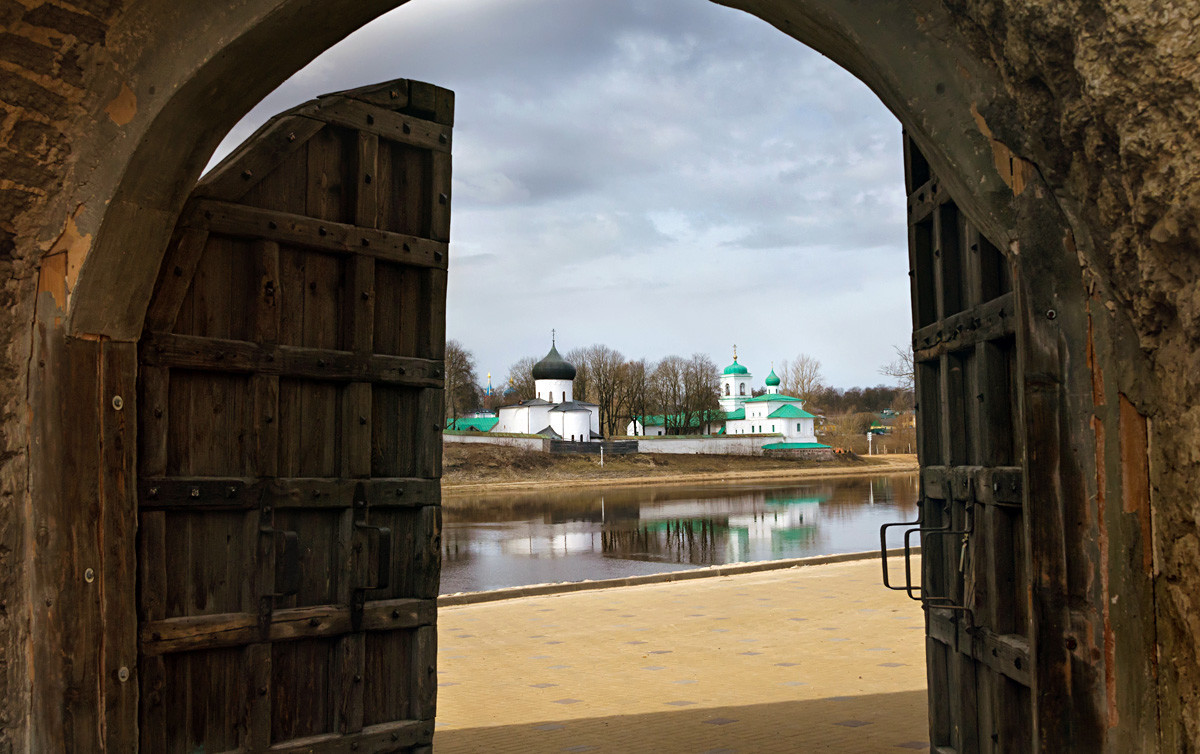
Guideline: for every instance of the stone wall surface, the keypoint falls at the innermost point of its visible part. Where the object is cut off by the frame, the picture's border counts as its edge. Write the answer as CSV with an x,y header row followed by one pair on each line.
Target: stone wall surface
x,y
1109,110
1100,98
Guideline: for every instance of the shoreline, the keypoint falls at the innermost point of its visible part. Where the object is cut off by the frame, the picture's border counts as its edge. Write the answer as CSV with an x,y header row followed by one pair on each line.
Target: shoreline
x,y
902,465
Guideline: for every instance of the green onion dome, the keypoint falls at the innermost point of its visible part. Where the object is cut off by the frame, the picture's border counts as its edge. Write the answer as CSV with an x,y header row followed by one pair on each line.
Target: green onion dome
x,y
736,368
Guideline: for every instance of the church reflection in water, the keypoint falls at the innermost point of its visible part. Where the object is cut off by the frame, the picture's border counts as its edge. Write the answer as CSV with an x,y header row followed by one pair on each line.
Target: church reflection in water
x,y
748,527
494,542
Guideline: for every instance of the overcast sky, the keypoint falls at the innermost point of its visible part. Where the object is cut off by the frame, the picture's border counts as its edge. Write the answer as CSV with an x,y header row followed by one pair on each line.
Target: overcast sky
x,y
661,176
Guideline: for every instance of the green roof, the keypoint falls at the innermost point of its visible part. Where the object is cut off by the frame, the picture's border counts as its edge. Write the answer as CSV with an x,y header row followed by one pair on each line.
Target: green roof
x,y
733,415
736,368
479,424
771,380
790,412
793,446
774,397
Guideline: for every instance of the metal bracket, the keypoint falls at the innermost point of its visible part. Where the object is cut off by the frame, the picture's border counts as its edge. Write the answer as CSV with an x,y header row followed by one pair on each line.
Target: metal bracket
x,y
383,557
285,547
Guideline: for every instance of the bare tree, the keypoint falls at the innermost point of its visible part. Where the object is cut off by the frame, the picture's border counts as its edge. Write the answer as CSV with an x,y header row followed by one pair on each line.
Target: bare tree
x,y
685,390
702,387
520,377
801,377
635,390
581,388
901,368
462,385
603,367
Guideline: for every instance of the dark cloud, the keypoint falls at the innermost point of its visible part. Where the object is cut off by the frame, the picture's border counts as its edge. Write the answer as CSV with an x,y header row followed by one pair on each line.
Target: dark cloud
x,y
664,176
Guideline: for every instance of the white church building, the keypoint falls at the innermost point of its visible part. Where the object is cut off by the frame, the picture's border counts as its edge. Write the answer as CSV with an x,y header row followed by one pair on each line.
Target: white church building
x,y
553,412
772,413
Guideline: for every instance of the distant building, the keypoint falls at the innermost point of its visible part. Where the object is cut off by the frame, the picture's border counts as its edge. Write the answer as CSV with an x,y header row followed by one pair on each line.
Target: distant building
x,y
772,413
553,412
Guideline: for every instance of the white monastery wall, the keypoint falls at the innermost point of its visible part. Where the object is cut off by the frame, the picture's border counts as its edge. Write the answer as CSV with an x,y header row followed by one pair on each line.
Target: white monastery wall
x,y
706,445
528,443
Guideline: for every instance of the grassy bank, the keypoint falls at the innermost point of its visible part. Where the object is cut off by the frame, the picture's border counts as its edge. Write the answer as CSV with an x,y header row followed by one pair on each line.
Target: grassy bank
x,y
472,468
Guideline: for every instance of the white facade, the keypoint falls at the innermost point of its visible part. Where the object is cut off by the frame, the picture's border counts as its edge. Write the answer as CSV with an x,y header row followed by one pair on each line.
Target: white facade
x,y
554,408
735,386
774,414
555,391
525,418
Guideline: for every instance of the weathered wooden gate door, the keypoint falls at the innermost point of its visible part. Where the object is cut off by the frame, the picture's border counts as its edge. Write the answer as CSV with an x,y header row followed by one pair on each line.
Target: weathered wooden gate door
x,y
290,409
975,579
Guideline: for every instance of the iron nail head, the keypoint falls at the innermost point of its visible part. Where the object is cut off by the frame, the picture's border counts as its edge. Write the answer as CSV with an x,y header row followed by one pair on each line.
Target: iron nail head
x,y
89,575
118,402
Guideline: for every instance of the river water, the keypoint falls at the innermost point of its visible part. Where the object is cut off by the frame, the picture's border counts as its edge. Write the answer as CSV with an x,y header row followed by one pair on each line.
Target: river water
x,y
496,541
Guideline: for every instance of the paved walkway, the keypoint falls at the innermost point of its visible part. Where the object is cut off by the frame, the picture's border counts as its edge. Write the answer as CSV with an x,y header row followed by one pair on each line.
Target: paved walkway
x,y
813,659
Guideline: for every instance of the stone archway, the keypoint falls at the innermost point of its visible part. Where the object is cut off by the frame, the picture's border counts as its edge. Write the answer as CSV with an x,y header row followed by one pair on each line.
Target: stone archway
x,y
1060,129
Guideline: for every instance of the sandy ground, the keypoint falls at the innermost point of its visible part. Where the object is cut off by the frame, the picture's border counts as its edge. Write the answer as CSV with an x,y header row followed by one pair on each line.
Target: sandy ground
x,y
813,659
470,469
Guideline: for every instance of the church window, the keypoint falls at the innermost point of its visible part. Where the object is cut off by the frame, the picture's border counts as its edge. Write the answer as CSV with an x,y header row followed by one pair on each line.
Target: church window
x,y
551,398
798,427
742,389
726,388
772,427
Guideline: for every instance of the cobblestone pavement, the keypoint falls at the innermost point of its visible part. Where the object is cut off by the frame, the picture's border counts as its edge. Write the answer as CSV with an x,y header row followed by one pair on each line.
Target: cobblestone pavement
x,y
812,659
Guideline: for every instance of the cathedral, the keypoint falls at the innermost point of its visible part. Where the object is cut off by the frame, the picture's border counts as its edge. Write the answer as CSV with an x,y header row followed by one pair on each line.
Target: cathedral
x,y
553,412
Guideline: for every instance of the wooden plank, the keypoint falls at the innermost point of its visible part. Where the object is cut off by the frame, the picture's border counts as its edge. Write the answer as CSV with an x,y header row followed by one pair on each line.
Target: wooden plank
x,y
326,365
330,188
367,192
428,553
439,227
324,235
255,158
351,657
404,128
153,420
194,633
66,703
118,524
175,278
152,588
434,101
436,316
989,321
258,708
424,668
356,431
392,95
360,305
266,309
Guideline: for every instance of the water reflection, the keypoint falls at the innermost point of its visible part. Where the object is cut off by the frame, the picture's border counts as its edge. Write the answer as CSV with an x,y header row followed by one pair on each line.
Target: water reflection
x,y
510,540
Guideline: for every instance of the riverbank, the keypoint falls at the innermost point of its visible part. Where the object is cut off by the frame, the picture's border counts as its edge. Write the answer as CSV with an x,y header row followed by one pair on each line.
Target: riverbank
x,y
472,469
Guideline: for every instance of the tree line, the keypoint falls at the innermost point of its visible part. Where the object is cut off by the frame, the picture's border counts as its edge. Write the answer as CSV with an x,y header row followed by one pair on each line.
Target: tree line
x,y
684,391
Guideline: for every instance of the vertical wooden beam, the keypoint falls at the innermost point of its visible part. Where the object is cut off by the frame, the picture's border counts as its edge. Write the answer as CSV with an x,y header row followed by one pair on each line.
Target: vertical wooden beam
x,y
175,278
66,475
118,418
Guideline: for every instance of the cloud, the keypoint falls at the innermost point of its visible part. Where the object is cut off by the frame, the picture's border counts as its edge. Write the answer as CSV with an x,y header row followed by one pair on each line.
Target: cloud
x,y
664,176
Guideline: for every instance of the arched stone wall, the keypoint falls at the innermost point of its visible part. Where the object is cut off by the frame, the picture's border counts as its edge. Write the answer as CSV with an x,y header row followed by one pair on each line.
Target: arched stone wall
x,y
1068,130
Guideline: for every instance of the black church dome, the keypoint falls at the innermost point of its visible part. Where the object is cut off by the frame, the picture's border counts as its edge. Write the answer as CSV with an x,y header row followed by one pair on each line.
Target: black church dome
x,y
553,367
